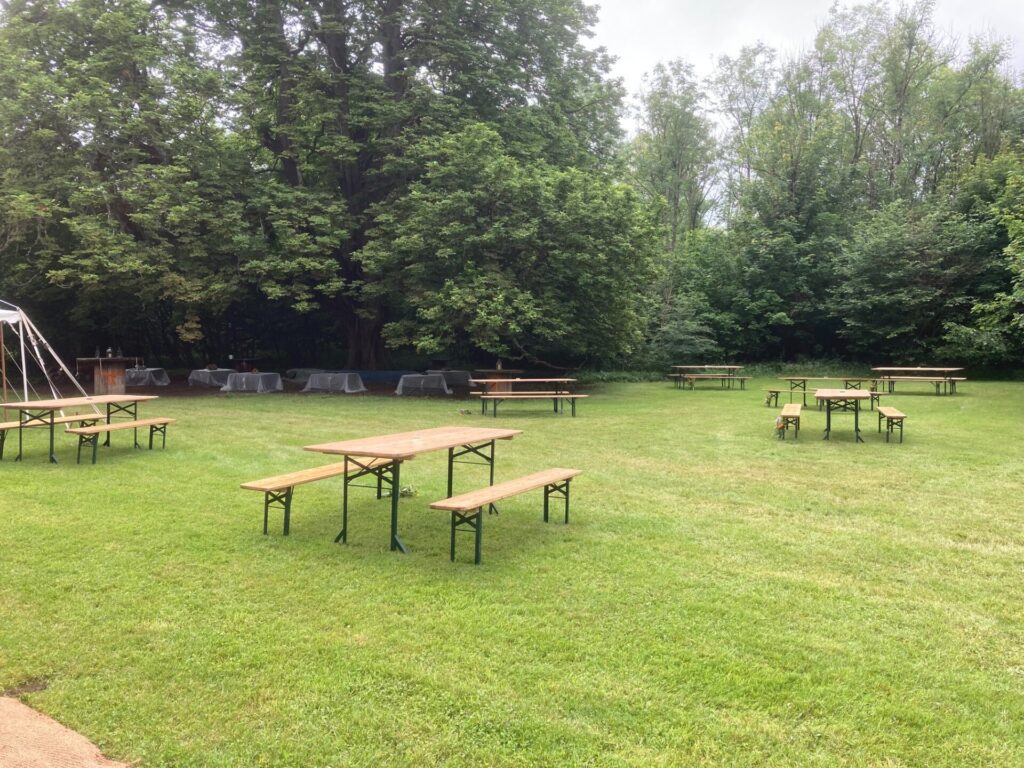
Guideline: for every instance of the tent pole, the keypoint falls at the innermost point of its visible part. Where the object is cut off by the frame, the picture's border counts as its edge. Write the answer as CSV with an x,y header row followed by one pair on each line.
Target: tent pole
x,y
24,366
46,345
3,362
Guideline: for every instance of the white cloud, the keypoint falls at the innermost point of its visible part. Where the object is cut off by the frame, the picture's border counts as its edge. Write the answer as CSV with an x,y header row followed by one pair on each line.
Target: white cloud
x,y
643,32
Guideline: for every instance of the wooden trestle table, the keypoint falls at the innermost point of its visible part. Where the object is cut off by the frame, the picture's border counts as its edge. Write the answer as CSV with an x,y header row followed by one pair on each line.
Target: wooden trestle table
x,y
401,446
842,400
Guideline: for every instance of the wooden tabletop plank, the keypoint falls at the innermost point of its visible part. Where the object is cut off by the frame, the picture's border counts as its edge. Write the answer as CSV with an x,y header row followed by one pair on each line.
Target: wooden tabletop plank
x,y
841,394
405,445
920,369
74,402
710,367
525,381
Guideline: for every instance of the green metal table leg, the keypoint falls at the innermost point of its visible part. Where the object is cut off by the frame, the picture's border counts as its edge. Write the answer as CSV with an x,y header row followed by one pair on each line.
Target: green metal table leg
x,y
396,488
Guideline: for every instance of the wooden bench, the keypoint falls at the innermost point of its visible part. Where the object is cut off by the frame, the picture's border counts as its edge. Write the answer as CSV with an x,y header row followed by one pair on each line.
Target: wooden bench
x,y
790,417
278,489
467,508
83,420
893,419
558,399
91,435
772,397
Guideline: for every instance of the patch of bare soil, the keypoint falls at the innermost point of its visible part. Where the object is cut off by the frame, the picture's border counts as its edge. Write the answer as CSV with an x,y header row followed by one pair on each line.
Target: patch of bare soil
x,y
29,739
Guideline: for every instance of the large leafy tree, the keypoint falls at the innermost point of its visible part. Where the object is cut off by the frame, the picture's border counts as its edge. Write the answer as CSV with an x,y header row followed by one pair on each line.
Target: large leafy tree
x,y
517,258
109,131
335,96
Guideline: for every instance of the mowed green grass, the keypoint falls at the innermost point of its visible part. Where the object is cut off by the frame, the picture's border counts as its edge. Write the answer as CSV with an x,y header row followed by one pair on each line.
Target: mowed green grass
x,y
719,598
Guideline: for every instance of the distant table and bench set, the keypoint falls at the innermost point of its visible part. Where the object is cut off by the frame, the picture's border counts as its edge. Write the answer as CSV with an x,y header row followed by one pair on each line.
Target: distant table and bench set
x,y
559,390
850,397
726,375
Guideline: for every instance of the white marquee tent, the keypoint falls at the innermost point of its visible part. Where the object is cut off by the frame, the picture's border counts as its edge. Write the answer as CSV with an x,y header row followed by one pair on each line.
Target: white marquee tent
x,y
26,358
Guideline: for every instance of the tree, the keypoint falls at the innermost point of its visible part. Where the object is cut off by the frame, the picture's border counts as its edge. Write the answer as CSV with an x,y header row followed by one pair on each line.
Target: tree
x,y
674,153
336,95
522,260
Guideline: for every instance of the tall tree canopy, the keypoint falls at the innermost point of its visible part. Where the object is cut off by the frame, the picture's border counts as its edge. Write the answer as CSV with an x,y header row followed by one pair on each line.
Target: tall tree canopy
x,y
325,179
185,158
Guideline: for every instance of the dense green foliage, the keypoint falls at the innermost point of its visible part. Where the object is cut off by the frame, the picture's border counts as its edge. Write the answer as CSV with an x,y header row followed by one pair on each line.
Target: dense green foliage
x,y
719,598
193,165
319,181
866,197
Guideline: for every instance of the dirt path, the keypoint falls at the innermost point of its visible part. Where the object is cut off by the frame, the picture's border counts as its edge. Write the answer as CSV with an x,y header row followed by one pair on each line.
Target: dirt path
x,y
29,739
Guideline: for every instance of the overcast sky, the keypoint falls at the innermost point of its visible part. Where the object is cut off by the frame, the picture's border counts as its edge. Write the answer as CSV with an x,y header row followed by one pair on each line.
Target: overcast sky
x,y
640,33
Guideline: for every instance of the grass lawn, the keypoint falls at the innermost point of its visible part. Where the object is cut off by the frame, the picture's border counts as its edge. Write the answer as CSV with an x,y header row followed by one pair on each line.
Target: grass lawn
x,y
719,598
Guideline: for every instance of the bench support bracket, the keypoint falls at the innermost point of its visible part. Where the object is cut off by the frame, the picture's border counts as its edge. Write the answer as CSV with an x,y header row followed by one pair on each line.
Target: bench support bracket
x,y
468,521
280,500
558,490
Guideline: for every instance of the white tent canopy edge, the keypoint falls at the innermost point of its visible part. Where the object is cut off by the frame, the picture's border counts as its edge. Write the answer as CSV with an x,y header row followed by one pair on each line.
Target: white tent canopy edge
x,y
30,350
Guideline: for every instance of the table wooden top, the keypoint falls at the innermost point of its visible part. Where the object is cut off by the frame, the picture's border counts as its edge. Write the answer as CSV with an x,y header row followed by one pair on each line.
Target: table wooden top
x,y
525,381
917,369
709,367
405,445
841,394
75,402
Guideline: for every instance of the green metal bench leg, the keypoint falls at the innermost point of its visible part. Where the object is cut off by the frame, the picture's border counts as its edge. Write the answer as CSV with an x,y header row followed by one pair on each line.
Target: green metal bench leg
x,y
83,439
284,500
473,521
3,439
288,510
158,429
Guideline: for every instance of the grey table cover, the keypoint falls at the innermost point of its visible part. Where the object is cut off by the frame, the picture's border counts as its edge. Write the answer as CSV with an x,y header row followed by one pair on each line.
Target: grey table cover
x,y
146,377
253,382
334,382
418,384
204,377
454,378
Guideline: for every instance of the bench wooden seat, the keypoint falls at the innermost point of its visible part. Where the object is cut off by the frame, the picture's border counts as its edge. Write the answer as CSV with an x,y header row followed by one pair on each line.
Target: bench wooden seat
x,y
557,397
91,435
278,489
893,420
789,417
467,508
12,425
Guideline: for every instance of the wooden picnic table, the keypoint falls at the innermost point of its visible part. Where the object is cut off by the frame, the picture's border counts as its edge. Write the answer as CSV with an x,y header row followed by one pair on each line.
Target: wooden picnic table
x,y
42,412
916,369
494,387
799,383
709,367
489,383
727,375
842,400
941,377
402,446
